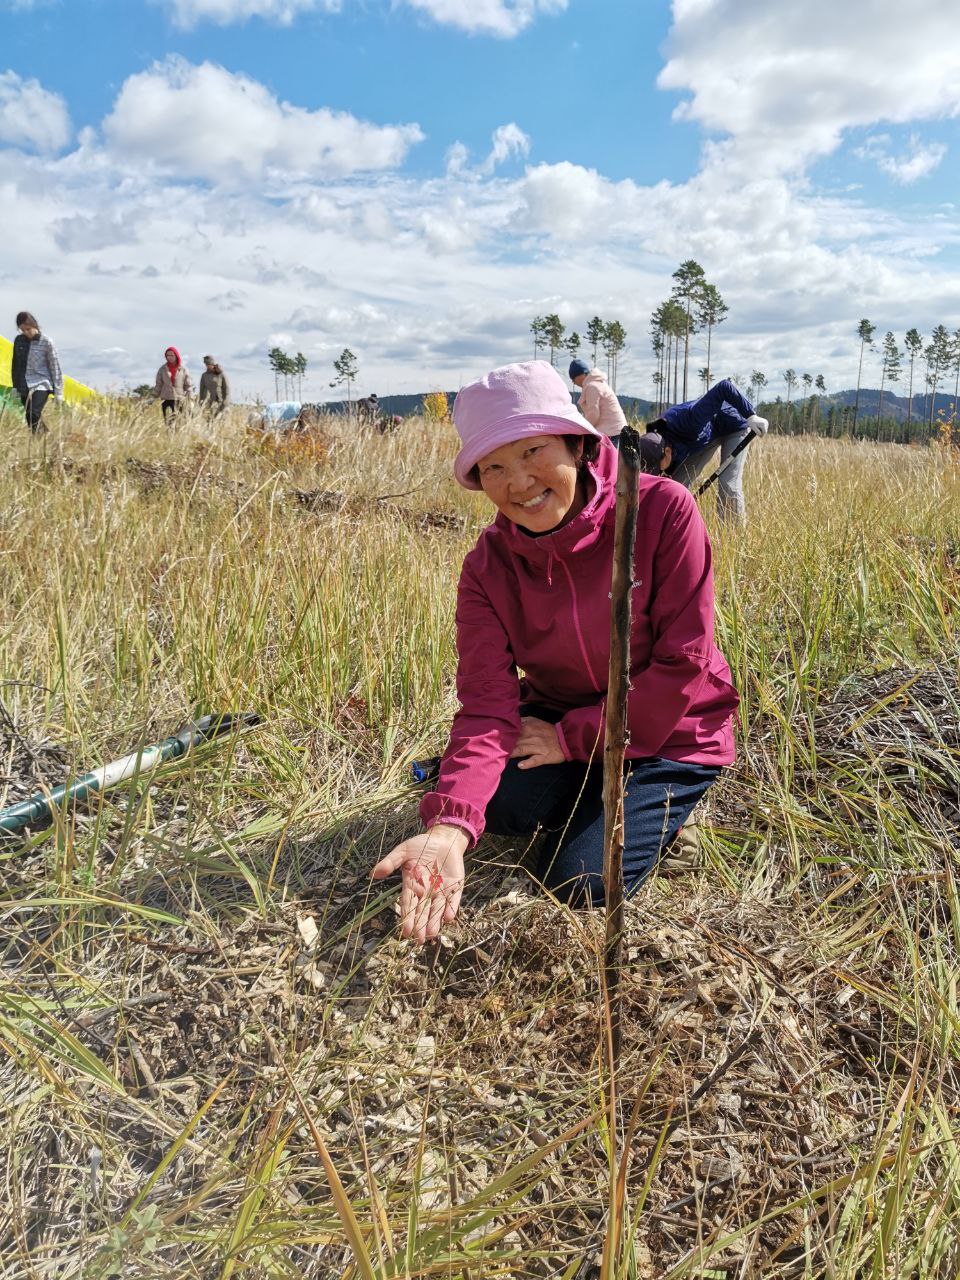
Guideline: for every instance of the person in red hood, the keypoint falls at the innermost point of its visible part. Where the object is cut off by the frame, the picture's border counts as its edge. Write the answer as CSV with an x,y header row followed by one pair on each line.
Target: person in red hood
x,y
527,754
173,386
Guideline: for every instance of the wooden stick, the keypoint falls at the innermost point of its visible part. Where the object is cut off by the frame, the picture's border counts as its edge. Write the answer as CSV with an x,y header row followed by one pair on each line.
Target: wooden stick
x,y
615,740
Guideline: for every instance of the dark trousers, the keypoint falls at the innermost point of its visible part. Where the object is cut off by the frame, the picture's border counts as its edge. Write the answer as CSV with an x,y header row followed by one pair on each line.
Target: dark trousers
x,y
566,801
34,403
171,408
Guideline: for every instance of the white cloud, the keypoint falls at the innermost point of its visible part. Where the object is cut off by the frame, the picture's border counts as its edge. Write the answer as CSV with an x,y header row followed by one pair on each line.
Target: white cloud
x,y
433,280
205,122
785,81
919,161
187,13
505,18
32,117
508,141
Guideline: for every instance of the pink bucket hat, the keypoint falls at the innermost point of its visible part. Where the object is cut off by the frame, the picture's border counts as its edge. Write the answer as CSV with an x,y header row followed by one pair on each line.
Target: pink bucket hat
x,y
511,403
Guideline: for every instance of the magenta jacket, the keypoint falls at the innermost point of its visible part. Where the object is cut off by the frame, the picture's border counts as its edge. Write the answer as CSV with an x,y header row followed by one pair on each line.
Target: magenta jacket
x,y
543,605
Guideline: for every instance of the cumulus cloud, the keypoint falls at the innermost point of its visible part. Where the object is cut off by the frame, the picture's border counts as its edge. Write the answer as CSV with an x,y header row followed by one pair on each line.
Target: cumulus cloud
x,y
507,142
787,81
504,18
204,122
919,161
430,280
32,117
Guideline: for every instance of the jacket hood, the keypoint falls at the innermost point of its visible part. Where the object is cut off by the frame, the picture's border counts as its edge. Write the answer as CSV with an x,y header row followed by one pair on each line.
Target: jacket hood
x,y
594,376
176,353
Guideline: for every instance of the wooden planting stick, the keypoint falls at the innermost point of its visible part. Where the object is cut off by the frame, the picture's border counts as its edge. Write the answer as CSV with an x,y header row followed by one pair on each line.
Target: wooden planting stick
x,y
615,741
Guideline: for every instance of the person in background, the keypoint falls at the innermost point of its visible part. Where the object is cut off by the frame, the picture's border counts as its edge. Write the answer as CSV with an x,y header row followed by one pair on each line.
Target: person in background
x,y
534,595
598,401
36,370
692,432
173,386
214,387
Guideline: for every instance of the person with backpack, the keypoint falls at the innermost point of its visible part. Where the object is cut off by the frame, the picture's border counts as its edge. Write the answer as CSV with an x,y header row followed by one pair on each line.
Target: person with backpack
x,y
689,434
534,595
173,386
36,371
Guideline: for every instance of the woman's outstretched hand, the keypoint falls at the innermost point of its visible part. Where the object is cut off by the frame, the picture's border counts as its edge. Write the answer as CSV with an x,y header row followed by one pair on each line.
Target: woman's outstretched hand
x,y
538,744
431,866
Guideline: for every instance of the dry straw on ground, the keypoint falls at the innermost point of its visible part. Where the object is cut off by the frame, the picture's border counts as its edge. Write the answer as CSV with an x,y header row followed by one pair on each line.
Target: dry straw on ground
x,y
219,1059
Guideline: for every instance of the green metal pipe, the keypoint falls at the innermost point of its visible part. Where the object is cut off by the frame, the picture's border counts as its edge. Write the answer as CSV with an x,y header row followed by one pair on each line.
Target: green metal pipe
x,y
40,808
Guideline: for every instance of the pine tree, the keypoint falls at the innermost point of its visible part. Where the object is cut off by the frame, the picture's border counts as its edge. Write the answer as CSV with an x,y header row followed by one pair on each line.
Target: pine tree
x,y
573,344
940,351
300,360
595,331
688,291
711,312
889,369
276,358
790,378
914,345
614,341
347,372
538,327
553,331
865,332
807,380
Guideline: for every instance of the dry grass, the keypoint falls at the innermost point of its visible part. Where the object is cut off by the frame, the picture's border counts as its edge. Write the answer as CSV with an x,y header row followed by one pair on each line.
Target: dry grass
x,y
218,1058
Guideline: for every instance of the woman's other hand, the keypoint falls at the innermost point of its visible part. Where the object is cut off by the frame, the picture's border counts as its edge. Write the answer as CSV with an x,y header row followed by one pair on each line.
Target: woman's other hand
x,y
432,871
538,744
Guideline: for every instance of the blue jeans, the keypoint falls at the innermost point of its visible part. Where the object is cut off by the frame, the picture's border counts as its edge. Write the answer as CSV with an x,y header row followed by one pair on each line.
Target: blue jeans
x,y
566,801
730,504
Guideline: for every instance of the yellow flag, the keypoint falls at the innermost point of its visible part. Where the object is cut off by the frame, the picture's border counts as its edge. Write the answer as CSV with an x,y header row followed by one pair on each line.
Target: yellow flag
x,y
73,392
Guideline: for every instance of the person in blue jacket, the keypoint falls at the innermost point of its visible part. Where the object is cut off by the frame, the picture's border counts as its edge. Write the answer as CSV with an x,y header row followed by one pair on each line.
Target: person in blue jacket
x,y
692,432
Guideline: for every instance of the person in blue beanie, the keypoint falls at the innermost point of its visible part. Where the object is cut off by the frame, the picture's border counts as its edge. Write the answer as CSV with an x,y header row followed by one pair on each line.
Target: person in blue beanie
x,y
692,432
598,401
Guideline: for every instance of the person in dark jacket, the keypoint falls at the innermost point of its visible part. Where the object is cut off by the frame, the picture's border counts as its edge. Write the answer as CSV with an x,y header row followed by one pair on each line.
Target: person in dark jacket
x,y
36,370
693,431
214,387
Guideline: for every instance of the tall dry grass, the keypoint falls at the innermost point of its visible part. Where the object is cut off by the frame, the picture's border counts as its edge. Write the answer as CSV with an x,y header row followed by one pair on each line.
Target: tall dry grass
x,y
220,1061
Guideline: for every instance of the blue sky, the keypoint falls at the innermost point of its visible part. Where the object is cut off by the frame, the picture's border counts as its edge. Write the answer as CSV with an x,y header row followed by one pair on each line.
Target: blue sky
x,y
571,81
417,178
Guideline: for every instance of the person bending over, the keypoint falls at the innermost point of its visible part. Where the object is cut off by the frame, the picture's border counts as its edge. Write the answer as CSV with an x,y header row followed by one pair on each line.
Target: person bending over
x,y
534,592
694,430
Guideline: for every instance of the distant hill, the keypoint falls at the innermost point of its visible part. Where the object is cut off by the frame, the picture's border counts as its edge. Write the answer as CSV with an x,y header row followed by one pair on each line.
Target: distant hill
x,y
411,405
894,406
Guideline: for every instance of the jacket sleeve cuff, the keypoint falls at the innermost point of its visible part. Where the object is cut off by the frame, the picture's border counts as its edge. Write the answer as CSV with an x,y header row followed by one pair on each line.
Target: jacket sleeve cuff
x,y
562,739
580,733
435,808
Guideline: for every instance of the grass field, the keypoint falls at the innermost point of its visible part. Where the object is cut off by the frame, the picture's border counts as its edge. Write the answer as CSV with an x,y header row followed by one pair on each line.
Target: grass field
x,y
219,1059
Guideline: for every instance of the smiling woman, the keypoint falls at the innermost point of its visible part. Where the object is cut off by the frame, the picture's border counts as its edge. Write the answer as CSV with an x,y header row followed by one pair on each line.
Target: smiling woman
x,y
527,754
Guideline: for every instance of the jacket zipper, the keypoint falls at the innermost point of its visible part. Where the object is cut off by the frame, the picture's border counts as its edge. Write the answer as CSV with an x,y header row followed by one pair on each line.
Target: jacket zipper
x,y
576,626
